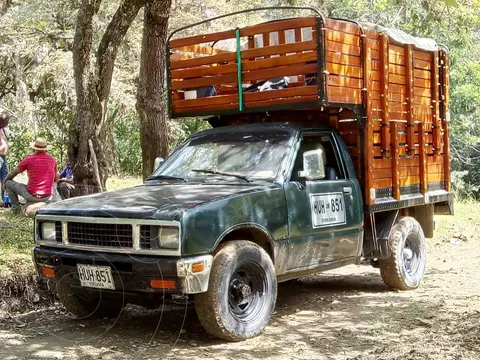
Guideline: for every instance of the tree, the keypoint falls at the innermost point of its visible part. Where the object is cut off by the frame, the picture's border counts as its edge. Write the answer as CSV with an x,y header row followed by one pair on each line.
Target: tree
x,y
93,80
151,100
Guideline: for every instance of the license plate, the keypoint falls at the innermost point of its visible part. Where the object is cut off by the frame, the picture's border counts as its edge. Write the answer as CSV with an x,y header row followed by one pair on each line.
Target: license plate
x,y
99,277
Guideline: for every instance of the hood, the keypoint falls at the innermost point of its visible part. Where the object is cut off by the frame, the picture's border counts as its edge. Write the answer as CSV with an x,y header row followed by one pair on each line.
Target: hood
x,y
154,201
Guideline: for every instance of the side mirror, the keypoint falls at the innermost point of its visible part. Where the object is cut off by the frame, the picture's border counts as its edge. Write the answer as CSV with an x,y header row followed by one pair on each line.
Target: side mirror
x,y
158,162
313,165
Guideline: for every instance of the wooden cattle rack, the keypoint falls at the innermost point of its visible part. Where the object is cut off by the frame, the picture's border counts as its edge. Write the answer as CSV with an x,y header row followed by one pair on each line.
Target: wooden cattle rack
x,y
389,100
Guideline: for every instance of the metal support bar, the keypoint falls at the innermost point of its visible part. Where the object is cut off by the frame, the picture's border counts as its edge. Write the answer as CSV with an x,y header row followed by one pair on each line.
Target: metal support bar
x,y
239,70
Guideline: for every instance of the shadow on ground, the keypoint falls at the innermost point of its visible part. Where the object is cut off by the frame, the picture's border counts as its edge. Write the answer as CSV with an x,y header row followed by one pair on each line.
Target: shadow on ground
x,y
325,316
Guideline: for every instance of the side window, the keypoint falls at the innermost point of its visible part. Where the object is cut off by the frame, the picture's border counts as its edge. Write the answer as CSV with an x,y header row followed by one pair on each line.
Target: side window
x,y
333,170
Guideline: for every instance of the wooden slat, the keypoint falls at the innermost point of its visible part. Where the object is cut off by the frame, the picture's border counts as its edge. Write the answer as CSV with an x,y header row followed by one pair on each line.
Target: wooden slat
x,y
201,82
279,49
344,70
280,71
201,39
343,99
397,69
205,60
347,82
423,74
343,59
299,22
203,71
384,101
298,35
342,37
278,61
344,26
354,95
422,64
342,48
422,55
273,102
203,50
248,98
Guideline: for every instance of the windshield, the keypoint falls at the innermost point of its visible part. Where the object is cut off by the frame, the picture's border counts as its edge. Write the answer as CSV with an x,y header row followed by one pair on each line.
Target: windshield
x,y
232,156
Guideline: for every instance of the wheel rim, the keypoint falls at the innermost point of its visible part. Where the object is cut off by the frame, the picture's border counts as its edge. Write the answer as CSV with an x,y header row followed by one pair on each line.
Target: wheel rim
x,y
412,256
247,291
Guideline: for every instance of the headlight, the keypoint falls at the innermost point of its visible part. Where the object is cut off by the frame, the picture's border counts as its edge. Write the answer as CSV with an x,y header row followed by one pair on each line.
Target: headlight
x,y
47,231
168,238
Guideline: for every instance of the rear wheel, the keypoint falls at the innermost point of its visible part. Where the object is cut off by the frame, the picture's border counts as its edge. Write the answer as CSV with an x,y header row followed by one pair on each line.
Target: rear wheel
x,y
88,307
241,294
405,267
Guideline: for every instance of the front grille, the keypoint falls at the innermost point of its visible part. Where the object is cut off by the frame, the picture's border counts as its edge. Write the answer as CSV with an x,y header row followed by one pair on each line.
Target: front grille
x,y
149,236
109,235
58,231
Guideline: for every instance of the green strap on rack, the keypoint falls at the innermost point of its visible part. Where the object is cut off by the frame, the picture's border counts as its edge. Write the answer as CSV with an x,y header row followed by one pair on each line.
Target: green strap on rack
x,y
239,71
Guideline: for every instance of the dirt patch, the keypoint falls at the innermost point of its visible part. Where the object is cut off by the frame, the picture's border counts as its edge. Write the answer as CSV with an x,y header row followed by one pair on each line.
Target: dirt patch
x,y
347,314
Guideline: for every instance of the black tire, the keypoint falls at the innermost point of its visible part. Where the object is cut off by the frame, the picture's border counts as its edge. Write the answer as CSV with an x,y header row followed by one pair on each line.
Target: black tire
x,y
242,292
405,267
88,307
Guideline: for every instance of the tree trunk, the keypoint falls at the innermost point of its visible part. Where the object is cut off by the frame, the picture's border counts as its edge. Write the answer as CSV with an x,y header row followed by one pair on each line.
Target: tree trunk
x,y
92,84
151,99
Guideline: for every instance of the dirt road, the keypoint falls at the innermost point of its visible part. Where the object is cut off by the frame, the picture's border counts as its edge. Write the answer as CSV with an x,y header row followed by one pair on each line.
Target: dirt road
x,y
347,314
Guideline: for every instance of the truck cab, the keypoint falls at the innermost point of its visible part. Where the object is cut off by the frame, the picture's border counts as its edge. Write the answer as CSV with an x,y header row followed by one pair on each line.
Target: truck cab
x,y
290,181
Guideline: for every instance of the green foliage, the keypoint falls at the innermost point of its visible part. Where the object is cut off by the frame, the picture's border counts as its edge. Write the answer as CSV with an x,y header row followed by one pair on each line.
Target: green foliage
x,y
36,68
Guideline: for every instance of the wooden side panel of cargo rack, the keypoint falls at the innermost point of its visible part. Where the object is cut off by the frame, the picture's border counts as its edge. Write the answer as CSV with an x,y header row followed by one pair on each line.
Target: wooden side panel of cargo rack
x,y
217,70
343,58
406,88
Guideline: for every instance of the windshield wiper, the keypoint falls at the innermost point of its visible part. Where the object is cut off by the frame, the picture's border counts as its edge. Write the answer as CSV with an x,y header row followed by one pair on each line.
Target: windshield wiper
x,y
167,177
209,171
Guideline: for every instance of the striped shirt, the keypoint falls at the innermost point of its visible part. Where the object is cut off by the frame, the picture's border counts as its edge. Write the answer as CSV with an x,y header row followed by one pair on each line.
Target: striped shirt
x,y
41,169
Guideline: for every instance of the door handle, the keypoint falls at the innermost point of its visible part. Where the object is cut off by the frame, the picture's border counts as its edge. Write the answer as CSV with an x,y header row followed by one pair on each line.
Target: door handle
x,y
347,190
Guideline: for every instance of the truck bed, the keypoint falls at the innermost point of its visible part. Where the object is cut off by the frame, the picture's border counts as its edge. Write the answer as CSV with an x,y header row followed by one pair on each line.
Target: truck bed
x,y
387,97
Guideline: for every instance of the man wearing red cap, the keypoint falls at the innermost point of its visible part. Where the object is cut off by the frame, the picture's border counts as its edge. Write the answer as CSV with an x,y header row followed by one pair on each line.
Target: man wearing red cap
x,y
42,174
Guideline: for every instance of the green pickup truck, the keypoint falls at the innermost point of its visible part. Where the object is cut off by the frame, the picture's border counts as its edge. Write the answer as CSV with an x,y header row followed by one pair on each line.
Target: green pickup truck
x,y
263,197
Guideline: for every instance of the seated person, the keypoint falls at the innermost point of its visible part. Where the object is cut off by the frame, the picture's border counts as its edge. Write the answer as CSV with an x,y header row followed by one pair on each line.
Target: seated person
x,y
42,174
65,186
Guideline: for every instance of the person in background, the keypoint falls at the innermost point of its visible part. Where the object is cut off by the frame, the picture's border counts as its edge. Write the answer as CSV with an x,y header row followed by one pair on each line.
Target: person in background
x,y
3,153
65,186
42,174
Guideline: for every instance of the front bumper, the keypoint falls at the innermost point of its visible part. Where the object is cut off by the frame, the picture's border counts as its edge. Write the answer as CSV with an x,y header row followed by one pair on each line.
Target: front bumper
x,y
131,273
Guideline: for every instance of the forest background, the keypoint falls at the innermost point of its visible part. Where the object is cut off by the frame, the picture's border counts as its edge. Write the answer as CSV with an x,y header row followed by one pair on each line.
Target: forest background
x,y
42,91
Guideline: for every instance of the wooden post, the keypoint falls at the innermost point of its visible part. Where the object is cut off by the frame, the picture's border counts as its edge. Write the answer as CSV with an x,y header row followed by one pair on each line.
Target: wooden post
x,y
423,158
395,160
435,106
384,83
410,95
369,151
445,118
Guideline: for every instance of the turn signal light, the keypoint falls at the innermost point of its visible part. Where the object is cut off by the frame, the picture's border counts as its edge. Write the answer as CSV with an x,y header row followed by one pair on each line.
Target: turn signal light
x,y
47,271
162,284
198,267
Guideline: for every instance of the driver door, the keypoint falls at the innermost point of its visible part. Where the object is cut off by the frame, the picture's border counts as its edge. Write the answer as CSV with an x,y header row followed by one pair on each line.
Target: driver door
x,y
324,222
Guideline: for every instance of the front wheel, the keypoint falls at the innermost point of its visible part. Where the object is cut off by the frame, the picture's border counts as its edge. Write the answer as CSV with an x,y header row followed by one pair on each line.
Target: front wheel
x,y
242,292
405,267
